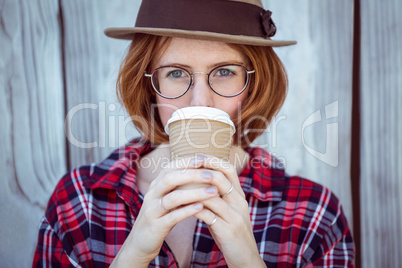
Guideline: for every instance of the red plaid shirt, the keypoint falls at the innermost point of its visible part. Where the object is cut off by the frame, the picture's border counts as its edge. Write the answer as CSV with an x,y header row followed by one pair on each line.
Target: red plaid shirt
x,y
296,222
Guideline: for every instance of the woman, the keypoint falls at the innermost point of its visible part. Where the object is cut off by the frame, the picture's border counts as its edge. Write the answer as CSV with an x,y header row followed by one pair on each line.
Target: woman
x,y
125,213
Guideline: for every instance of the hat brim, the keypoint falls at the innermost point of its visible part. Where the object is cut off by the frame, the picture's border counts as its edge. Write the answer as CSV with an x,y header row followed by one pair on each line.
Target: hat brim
x,y
128,33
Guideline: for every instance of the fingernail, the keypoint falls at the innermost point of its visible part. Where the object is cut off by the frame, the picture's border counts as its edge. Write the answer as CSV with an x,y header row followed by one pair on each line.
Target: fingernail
x,y
197,206
201,157
195,161
211,189
206,174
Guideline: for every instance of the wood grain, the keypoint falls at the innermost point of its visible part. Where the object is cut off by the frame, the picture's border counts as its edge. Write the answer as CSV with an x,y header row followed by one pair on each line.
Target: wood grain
x,y
33,154
381,83
320,79
32,157
91,64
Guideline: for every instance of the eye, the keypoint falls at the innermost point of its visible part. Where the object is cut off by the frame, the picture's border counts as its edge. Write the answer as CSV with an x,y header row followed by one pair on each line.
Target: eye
x,y
176,73
224,72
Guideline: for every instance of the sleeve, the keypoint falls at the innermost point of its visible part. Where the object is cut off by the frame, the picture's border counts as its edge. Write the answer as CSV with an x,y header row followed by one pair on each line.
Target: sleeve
x,y
340,254
49,250
336,248
64,233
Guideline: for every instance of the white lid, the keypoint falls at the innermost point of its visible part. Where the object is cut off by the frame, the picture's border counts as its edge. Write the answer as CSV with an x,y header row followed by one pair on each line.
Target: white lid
x,y
200,112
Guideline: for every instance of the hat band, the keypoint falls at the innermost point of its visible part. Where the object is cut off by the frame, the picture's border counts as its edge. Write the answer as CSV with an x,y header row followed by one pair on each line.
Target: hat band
x,y
218,16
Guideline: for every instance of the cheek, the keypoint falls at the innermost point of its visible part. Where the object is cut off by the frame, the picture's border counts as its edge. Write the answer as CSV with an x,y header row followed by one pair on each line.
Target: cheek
x,y
166,108
165,112
233,105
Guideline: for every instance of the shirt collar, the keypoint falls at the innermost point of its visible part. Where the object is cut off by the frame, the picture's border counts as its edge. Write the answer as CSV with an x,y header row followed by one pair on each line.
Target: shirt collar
x,y
263,176
118,172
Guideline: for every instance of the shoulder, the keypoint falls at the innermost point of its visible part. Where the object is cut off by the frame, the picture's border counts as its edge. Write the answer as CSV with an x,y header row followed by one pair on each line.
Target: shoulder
x,y
75,190
298,189
267,173
318,214
315,202
69,197
266,179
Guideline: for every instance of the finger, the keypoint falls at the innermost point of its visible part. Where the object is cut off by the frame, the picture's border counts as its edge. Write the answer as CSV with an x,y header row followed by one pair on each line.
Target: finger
x,y
220,181
227,169
156,208
228,212
178,198
185,163
217,178
164,209
210,218
218,164
180,214
179,164
167,181
228,191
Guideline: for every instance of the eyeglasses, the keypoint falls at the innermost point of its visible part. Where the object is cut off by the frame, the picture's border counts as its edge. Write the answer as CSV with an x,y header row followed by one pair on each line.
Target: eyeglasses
x,y
172,82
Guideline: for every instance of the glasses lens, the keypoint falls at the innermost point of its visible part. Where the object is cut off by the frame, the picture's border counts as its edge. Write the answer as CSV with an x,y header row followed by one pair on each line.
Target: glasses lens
x,y
171,82
228,80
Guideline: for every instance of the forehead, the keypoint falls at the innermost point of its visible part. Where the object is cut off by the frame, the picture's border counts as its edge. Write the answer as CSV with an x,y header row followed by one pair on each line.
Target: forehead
x,y
197,53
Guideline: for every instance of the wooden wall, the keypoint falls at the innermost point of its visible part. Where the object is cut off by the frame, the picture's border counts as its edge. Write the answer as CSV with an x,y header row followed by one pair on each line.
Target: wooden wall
x,y
32,156
312,131
54,61
381,110
57,75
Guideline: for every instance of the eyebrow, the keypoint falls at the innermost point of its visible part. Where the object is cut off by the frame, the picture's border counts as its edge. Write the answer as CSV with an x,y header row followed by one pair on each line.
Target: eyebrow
x,y
209,66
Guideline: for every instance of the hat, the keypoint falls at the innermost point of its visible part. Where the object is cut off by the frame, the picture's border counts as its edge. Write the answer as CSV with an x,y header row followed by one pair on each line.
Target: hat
x,y
229,21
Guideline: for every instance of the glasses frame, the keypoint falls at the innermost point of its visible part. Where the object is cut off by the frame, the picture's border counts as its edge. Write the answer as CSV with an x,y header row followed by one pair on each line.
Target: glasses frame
x,y
192,80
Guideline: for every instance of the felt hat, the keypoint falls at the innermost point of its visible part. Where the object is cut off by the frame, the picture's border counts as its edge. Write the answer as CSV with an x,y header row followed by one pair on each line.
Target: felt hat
x,y
229,21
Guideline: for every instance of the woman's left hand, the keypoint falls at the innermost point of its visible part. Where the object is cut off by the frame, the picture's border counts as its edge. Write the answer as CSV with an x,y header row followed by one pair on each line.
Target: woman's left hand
x,y
228,217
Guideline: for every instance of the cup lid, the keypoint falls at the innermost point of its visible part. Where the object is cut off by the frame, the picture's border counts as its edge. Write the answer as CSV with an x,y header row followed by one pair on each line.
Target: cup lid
x,y
200,112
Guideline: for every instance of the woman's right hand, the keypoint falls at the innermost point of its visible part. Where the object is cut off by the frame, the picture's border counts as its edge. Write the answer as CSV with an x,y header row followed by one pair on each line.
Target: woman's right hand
x,y
164,206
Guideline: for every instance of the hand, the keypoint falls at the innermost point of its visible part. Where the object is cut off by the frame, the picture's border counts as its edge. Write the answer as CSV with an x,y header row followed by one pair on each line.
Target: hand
x,y
164,206
231,227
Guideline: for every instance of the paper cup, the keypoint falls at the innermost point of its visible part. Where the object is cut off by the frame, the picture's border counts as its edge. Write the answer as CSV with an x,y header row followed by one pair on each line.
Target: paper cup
x,y
200,130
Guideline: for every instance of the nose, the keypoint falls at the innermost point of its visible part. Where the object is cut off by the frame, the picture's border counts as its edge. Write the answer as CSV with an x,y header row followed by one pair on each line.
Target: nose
x,y
201,92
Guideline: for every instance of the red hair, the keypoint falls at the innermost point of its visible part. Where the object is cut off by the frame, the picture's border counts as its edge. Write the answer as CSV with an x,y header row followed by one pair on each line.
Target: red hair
x,y
267,89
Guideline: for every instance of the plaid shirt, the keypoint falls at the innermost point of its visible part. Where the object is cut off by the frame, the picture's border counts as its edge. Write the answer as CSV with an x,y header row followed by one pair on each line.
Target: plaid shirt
x,y
296,222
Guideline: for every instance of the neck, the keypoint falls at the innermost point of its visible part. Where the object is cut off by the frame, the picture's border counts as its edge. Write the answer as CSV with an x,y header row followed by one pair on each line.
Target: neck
x,y
238,158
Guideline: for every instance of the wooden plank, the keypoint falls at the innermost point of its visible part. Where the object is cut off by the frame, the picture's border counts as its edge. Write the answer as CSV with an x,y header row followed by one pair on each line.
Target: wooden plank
x,y
311,134
32,157
381,83
91,64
